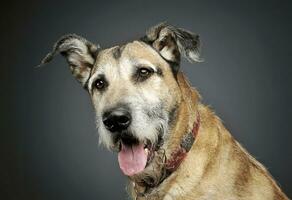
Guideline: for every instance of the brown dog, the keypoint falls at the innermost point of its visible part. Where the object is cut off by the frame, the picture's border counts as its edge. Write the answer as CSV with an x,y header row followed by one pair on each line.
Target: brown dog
x,y
169,144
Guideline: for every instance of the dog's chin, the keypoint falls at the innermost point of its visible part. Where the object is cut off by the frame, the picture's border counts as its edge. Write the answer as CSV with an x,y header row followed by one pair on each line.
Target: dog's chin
x,y
134,156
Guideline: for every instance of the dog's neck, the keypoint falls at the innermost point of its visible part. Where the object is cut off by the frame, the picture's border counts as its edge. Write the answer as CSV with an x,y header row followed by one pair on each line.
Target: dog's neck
x,y
181,138
144,187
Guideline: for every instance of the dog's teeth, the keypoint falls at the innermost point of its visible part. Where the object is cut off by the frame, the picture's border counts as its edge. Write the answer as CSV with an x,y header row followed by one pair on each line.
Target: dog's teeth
x,y
146,150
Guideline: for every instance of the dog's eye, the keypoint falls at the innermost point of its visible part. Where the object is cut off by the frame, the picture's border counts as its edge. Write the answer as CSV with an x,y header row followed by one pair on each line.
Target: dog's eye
x,y
144,72
100,84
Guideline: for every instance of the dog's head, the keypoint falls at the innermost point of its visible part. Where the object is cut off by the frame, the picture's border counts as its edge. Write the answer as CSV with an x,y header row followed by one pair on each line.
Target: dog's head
x,y
133,88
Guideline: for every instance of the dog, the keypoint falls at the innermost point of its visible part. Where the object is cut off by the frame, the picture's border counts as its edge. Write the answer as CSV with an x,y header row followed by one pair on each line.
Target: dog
x,y
169,144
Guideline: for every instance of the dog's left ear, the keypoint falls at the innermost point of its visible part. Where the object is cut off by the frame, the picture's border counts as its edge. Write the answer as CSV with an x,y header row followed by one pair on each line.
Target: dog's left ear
x,y
172,42
79,53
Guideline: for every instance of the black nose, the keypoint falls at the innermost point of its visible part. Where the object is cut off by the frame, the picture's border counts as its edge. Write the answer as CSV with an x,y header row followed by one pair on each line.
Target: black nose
x,y
116,120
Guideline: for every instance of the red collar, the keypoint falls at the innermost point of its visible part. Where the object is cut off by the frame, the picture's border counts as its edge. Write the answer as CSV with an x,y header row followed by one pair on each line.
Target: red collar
x,y
186,144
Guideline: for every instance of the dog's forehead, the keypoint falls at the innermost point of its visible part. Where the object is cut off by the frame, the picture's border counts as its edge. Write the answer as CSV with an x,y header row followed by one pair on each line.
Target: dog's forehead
x,y
140,50
132,53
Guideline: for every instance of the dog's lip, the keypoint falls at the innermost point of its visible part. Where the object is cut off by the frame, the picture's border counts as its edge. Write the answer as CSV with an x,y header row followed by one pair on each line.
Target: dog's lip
x,y
129,139
149,150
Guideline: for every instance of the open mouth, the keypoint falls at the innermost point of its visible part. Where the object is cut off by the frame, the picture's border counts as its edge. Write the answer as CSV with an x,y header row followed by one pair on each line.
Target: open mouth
x,y
134,156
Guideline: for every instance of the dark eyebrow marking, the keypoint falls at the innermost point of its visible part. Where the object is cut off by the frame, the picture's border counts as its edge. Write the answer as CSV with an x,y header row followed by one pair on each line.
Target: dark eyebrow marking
x,y
117,52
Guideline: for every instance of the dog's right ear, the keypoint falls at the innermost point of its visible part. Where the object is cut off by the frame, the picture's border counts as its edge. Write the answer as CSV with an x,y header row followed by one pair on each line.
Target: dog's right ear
x,y
79,53
172,43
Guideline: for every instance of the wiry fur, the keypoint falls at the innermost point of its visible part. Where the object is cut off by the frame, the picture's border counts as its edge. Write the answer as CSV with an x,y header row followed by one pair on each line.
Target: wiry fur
x,y
166,106
217,167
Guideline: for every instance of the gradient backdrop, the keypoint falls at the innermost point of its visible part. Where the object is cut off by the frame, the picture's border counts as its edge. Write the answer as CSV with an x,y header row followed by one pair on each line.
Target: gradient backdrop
x,y
50,145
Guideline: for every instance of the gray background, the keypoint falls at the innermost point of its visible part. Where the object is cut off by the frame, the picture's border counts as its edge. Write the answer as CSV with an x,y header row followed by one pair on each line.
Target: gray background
x,y
49,142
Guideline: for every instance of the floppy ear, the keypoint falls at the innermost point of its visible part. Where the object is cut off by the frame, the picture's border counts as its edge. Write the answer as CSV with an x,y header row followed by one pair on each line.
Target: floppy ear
x,y
172,42
79,53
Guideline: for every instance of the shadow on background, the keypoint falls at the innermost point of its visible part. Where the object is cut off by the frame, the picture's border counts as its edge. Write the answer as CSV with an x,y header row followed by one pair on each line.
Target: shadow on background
x,y
50,145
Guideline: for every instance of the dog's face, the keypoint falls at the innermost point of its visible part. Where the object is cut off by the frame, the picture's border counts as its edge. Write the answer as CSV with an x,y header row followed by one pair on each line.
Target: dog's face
x,y
133,93
133,89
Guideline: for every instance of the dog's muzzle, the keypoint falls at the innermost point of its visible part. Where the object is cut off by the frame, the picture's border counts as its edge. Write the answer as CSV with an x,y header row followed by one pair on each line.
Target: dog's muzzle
x,y
134,154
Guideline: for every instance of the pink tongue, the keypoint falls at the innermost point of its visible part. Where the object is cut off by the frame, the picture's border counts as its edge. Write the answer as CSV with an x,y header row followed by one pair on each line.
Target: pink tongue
x,y
132,159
